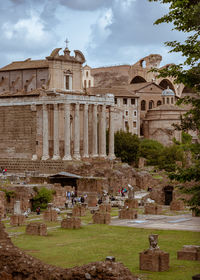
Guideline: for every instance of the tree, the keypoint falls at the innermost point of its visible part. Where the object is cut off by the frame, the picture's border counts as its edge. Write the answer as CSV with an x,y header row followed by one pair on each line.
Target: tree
x,y
184,14
151,150
127,146
42,198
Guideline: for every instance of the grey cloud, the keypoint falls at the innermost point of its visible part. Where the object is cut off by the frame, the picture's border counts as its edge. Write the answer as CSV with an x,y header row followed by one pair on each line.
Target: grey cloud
x,y
86,5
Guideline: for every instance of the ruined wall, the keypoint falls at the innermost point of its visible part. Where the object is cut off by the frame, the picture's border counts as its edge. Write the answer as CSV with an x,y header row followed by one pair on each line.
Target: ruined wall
x,y
15,264
17,132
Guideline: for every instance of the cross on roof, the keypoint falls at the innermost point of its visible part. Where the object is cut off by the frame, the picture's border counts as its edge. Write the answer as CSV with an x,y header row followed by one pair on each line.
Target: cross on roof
x,y
67,42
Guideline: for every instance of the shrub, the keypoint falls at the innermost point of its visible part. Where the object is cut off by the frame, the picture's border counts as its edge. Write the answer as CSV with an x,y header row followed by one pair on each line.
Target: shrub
x,y
42,198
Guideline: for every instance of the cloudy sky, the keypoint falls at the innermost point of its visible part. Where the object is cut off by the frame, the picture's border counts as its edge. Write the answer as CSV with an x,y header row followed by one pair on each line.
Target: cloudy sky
x,y
108,32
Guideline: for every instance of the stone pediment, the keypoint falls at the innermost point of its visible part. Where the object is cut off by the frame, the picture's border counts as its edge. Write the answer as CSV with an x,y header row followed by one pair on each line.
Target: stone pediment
x,y
150,88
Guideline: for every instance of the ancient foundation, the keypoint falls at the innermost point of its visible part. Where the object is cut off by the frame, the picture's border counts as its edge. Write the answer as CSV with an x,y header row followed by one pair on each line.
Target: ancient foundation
x,y
50,215
105,208
101,218
17,220
71,223
177,205
189,252
152,209
15,265
36,229
131,203
127,213
2,205
92,201
79,211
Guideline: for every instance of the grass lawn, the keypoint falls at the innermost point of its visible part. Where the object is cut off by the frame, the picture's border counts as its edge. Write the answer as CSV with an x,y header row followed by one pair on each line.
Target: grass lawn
x,y
68,248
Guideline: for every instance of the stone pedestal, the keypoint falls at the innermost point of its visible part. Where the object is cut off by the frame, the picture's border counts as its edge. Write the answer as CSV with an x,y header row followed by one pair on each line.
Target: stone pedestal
x,y
50,215
71,223
127,213
131,203
152,209
17,220
92,201
17,208
154,260
79,211
36,229
189,252
105,208
101,218
177,205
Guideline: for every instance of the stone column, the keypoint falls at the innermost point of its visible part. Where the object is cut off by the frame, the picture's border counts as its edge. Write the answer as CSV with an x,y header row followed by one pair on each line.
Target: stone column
x,y
85,131
111,154
76,132
67,133
102,132
56,153
94,131
45,129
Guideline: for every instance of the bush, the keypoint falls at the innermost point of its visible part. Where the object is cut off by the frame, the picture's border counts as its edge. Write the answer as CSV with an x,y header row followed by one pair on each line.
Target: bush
x,y
42,198
127,146
151,150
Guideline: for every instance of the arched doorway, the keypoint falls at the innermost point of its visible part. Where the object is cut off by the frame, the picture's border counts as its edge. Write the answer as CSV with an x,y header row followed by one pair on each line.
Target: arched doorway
x,y
168,193
138,79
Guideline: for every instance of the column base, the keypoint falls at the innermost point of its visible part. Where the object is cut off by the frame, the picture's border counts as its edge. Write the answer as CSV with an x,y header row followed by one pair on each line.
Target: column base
x,y
103,156
111,157
77,157
95,155
67,157
55,157
45,157
34,157
85,156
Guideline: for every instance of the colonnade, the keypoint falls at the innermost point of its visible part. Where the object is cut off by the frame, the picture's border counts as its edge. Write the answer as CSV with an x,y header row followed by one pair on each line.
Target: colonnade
x,y
98,148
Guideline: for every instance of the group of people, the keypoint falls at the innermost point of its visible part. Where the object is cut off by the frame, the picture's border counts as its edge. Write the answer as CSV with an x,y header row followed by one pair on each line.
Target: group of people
x,y
122,191
3,170
71,197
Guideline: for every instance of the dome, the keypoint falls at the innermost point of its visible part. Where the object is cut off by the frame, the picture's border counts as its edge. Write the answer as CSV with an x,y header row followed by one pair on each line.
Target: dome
x,y
167,92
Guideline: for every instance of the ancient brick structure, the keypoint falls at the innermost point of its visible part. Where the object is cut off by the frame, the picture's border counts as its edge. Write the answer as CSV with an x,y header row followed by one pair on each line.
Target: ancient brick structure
x,y
36,229
50,215
131,203
105,208
2,204
17,220
177,205
15,264
154,259
92,200
127,213
101,218
79,211
189,252
152,209
71,223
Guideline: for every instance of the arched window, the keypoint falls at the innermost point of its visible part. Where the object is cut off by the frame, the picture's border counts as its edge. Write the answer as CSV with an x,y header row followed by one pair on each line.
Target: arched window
x,y
167,100
165,83
159,102
151,104
138,79
143,105
172,100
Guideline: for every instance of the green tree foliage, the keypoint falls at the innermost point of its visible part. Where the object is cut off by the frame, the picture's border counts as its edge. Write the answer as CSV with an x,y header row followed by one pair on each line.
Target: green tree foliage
x,y
185,16
151,150
42,198
127,146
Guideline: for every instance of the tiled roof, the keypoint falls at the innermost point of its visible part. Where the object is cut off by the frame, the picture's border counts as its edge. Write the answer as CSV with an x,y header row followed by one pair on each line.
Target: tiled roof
x,y
117,91
27,64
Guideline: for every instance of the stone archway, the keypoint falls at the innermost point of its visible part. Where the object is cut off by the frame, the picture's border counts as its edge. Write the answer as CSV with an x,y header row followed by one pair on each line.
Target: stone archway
x,y
138,79
168,194
165,83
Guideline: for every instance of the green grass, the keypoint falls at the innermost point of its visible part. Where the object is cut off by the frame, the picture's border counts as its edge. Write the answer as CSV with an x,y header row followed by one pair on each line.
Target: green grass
x,y
68,248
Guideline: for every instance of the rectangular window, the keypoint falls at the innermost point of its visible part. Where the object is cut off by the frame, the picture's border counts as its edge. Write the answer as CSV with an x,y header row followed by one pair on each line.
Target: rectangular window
x,y
126,113
135,113
125,101
126,126
67,82
134,124
132,101
115,100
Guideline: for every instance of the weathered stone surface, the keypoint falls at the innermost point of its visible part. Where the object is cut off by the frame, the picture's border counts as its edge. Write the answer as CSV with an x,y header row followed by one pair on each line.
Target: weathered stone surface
x,y
50,215
131,203
79,211
17,220
15,265
2,204
154,260
196,277
36,229
153,209
189,252
177,205
105,208
71,223
101,218
92,200
127,213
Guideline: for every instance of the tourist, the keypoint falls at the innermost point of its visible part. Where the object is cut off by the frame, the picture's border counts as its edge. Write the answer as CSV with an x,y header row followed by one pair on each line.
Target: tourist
x,y
82,199
68,195
38,210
